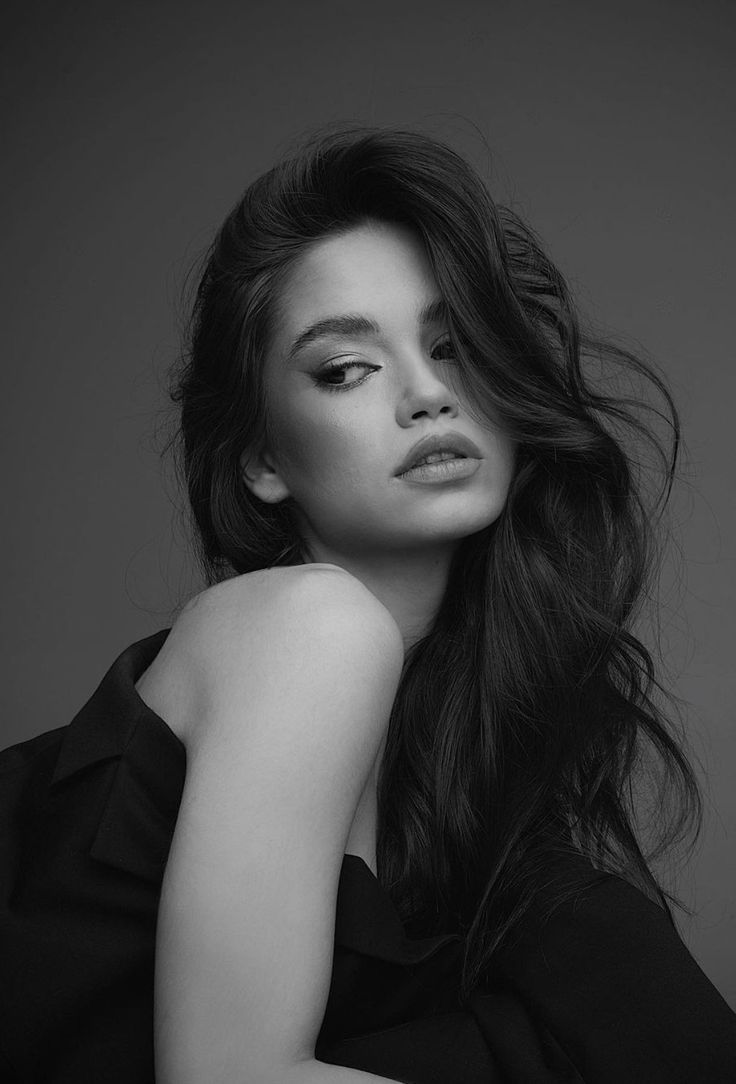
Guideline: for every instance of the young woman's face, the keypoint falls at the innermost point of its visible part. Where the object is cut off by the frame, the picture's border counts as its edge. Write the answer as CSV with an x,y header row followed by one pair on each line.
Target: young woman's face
x,y
359,370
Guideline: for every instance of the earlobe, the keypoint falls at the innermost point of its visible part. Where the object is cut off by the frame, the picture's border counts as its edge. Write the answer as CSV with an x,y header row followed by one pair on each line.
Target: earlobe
x,y
262,478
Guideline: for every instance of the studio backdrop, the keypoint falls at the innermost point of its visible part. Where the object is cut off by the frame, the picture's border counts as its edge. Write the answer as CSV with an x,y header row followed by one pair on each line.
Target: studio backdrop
x,y
130,129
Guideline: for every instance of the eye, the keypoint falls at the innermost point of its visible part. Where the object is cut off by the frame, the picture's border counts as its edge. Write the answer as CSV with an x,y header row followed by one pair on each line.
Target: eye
x,y
444,350
324,377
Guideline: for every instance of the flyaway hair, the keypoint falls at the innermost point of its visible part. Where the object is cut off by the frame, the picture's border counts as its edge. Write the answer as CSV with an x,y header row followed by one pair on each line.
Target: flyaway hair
x,y
525,716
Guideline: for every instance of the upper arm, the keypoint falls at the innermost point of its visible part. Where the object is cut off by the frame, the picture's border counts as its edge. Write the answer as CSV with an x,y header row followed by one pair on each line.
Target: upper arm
x,y
291,704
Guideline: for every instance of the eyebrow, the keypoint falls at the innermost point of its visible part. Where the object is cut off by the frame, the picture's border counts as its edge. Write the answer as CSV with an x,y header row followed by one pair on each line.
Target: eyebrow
x,y
435,312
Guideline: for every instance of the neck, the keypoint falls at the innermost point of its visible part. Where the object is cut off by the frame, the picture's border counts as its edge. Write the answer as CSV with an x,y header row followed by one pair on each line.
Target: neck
x,y
410,585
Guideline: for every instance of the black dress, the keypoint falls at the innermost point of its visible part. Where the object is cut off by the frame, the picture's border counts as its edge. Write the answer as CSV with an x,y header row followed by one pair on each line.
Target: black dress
x,y
603,992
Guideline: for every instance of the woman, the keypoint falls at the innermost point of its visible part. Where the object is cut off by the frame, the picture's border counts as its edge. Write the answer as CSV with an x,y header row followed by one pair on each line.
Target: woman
x,y
410,706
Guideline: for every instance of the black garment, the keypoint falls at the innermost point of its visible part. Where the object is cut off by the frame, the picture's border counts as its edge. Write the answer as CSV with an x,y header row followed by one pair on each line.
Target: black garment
x,y
604,992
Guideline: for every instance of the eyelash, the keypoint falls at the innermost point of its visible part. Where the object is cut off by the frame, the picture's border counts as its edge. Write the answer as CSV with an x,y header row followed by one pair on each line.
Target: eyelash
x,y
342,366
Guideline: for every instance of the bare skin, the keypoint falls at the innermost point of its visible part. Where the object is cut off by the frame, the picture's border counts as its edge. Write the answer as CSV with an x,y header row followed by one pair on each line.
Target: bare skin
x,y
274,780
280,683
334,448
166,685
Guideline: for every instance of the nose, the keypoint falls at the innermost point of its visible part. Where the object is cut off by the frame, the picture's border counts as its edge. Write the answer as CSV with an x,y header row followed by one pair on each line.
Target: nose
x,y
424,394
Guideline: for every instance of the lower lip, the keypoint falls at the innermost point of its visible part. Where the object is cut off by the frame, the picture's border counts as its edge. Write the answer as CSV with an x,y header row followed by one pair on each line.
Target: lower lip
x,y
446,470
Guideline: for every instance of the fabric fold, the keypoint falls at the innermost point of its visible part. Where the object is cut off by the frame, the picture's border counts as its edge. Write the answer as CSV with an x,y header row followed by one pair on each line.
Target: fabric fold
x,y
103,728
368,922
595,987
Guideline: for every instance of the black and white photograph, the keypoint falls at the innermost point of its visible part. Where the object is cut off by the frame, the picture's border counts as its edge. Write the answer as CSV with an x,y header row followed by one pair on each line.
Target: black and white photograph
x,y
369,546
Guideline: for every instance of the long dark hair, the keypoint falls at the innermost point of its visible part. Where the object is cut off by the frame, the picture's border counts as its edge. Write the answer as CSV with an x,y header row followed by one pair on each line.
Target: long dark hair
x,y
524,715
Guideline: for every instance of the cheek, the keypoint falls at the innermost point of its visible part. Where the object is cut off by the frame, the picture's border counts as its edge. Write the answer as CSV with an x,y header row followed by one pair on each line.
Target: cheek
x,y
308,446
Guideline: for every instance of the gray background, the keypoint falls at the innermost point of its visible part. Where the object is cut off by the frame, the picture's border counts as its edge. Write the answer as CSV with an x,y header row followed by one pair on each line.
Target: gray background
x,y
129,132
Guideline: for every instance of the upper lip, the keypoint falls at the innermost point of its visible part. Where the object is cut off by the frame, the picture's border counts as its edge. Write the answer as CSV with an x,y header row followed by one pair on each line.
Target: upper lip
x,y
439,442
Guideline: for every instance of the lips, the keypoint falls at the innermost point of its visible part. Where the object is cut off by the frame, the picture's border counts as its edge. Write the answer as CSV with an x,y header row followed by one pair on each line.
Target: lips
x,y
459,445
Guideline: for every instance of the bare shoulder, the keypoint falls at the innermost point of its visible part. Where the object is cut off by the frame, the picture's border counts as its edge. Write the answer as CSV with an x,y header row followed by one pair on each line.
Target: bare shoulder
x,y
261,627
322,583
289,677
282,600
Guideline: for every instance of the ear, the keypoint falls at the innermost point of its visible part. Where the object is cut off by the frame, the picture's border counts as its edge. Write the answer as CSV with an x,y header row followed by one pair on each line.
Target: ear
x,y
261,476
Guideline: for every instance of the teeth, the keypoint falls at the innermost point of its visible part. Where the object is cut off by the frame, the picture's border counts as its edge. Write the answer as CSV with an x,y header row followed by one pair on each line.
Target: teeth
x,y
437,457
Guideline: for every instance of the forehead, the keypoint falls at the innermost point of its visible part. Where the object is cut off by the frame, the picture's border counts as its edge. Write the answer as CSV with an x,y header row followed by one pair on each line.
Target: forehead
x,y
379,269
